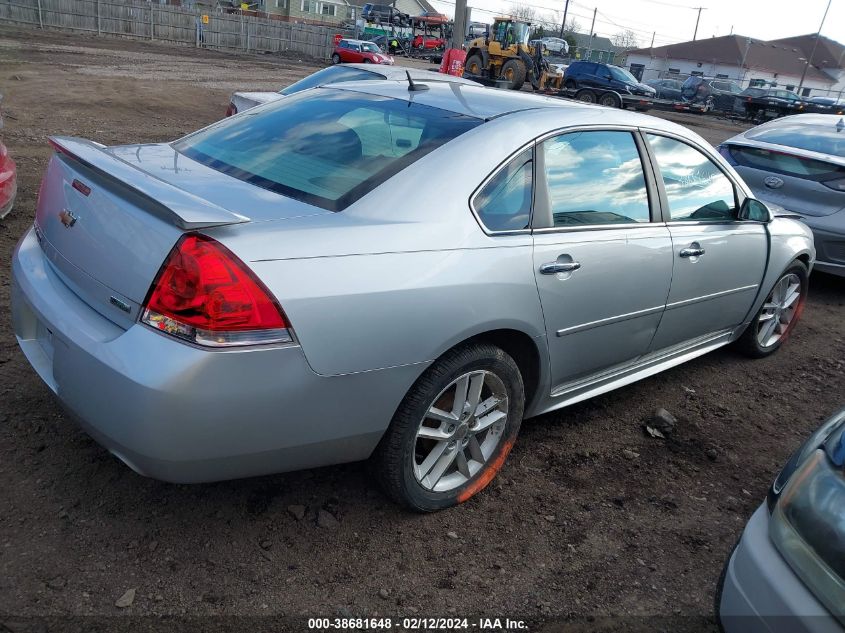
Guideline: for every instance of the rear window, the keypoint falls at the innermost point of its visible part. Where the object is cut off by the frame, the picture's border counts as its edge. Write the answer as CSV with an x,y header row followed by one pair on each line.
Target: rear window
x,y
327,147
813,138
782,163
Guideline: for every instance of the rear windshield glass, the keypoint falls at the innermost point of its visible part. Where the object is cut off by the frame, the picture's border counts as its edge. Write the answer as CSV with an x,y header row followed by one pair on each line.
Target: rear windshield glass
x,y
327,147
330,75
814,138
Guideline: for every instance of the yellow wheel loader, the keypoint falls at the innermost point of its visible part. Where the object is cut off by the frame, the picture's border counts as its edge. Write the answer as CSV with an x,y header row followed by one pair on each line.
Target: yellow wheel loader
x,y
505,56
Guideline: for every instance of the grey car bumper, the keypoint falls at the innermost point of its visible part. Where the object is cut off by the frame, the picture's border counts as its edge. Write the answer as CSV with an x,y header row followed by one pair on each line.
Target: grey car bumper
x,y
761,593
829,238
185,414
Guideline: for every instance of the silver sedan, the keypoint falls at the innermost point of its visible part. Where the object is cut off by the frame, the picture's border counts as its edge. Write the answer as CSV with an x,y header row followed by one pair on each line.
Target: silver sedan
x,y
241,101
798,162
387,270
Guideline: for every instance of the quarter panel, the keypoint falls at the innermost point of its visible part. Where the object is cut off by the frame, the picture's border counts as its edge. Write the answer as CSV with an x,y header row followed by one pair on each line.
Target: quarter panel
x,y
366,312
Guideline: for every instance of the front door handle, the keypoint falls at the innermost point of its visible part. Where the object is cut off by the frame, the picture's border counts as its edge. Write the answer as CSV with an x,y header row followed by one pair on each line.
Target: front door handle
x,y
553,268
691,252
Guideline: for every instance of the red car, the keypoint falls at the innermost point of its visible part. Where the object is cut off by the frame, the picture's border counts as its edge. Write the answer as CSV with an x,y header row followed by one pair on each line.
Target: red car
x,y
8,181
431,17
8,178
359,52
428,42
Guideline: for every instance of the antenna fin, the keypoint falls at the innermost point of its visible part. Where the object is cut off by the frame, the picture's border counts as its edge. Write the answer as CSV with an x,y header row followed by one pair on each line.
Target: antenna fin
x,y
414,87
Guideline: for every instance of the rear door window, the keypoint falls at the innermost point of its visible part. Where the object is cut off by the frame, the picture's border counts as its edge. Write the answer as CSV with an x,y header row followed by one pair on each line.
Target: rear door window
x,y
595,177
327,147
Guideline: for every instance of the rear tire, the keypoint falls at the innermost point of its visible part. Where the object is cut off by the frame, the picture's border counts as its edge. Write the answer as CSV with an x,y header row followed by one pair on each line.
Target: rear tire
x,y
430,462
610,100
570,84
778,315
514,71
586,95
335,59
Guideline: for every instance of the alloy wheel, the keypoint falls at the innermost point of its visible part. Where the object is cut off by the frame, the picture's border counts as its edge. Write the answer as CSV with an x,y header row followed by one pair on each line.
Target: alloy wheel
x,y
460,431
779,310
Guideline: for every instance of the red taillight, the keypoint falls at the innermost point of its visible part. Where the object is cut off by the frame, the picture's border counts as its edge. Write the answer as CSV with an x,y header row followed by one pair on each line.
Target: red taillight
x,y
205,294
231,109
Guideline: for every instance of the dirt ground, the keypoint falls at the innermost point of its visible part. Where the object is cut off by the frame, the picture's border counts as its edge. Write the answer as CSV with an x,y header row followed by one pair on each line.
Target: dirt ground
x,y
590,517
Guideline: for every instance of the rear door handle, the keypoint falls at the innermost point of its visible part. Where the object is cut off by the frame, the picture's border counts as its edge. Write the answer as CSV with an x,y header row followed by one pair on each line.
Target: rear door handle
x,y
553,268
691,252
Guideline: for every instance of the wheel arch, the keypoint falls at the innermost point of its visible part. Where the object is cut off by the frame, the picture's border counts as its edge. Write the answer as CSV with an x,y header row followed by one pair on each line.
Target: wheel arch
x,y
525,350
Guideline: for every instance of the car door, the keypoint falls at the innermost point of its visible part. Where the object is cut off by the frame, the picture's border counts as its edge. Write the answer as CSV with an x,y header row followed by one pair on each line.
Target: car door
x,y
602,78
602,266
587,78
718,260
355,54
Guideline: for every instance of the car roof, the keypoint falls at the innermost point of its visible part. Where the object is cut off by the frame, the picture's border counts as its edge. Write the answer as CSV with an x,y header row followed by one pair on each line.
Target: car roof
x,y
488,103
823,120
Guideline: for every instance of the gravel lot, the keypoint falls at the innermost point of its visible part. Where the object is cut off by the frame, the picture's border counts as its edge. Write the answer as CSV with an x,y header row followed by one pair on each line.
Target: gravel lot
x,y
589,518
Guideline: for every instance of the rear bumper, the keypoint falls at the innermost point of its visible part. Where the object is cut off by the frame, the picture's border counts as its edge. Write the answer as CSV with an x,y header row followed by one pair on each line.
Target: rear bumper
x,y
830,249
185,414
761,593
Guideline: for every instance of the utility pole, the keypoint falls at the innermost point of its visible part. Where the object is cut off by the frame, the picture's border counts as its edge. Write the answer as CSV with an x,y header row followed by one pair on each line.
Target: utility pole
x,y
813,52
699,9
563,23
652,39
742,69
592,28
459,27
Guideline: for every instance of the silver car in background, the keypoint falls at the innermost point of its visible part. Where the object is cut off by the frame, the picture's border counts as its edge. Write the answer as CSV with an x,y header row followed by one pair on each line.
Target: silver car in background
x,y
798,162
787,573
278,291
243,100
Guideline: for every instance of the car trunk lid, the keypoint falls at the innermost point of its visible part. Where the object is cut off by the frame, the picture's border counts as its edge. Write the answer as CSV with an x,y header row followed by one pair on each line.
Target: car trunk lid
x,y
107,218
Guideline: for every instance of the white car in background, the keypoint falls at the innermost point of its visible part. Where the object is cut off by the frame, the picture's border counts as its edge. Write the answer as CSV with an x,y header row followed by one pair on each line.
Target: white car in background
x,y
556,45
241,101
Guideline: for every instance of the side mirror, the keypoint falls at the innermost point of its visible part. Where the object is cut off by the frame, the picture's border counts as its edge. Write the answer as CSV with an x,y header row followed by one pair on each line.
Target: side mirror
x,y
755,211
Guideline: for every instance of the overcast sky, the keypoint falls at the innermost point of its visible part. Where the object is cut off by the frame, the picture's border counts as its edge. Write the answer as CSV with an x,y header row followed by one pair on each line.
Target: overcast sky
x,y
674,20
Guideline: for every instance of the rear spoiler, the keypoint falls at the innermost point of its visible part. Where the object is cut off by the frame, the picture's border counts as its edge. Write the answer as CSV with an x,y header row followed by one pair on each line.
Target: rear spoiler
x,y
160,198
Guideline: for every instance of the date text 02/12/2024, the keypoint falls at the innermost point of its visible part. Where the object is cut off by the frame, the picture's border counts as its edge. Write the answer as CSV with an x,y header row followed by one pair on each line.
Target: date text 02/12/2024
x,y
417,624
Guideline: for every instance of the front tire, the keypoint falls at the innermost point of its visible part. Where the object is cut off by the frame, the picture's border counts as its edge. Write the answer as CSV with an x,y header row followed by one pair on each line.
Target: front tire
x,y
474,65
453,430
335,59
778,315
514,71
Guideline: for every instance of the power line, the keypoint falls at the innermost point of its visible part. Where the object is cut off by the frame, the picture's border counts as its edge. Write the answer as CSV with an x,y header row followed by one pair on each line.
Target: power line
x,y
661,39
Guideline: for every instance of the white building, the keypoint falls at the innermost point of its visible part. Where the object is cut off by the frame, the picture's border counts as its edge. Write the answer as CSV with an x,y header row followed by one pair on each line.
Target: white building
x,y
779,63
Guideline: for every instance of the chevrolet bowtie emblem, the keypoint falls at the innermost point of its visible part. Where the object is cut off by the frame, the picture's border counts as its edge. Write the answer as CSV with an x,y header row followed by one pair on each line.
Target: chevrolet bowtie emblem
x,y
67,218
